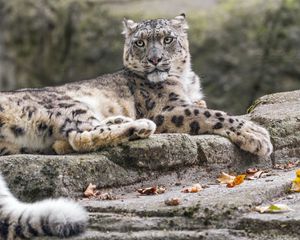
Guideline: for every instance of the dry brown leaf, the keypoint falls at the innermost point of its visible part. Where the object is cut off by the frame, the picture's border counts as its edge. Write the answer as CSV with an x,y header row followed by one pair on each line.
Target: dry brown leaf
x,y
226,178
105,196
295,186
160,190
90,190
147,191
172,201
252,170
279,166
151,190
291,164
193,189
255,175
287,165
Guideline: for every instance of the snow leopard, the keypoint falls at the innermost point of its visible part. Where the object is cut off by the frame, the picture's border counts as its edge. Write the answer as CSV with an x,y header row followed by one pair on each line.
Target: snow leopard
x,y
153,93
156,92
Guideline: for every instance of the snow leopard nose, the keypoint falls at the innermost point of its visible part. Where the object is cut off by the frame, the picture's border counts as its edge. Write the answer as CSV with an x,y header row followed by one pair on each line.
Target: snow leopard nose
x,y
154,60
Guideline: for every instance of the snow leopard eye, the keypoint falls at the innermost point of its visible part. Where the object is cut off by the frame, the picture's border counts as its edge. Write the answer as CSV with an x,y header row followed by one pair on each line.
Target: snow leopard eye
x,y
140,43
168,40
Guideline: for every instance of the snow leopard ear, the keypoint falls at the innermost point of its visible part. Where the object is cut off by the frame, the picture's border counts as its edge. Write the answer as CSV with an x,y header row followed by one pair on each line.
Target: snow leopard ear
x,y
180,22
129,26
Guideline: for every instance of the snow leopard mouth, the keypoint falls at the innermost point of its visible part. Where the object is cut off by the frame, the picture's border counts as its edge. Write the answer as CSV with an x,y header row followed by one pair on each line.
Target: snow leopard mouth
x,y
157,70
157,75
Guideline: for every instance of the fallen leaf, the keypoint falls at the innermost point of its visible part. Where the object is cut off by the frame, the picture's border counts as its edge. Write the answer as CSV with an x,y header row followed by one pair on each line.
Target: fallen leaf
x,y
291,164
296,182
273,208
105,196
151,190
230,180
287,165
90,190
237,181
298,173
160,190
193,189
251,170
172,201
255,175
226,178
279,166
147,191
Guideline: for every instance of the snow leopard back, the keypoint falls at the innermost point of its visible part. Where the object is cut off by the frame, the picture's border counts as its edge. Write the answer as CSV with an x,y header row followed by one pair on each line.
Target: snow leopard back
x,y
50,217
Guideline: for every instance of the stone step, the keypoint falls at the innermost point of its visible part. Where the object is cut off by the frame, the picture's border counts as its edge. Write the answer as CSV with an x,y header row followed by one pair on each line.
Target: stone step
x,y
215,213
215,234
283,223
280,114
33,177
216,199
107,222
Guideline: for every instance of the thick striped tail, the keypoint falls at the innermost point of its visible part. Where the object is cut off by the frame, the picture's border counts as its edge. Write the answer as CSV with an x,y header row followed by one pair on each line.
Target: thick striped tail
x,y
50,217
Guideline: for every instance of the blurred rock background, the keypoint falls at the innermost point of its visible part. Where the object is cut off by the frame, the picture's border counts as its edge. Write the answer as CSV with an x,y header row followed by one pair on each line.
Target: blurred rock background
x,y
241,49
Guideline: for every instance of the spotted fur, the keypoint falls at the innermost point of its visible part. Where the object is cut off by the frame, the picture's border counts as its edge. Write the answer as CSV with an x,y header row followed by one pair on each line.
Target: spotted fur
x,y
157,84
157,91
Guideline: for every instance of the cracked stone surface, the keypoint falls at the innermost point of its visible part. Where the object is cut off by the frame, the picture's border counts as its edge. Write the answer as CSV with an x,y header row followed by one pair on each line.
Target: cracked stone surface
x,y
280,114
33,177
217,212
175,161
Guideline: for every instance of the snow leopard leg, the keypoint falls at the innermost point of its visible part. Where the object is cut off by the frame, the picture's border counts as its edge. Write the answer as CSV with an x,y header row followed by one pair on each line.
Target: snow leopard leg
x,y
114,131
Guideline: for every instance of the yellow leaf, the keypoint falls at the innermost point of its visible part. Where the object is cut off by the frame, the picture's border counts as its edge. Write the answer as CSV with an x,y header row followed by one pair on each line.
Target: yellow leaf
x,y
273,208
298,173
296,182
239,179
236,181
230,180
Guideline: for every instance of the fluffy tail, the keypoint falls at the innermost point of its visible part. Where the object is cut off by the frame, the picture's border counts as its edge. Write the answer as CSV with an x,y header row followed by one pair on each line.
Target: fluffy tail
x,y
51,217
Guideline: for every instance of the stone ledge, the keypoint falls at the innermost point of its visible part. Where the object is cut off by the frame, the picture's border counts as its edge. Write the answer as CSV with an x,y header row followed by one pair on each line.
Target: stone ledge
x,y
214,234
217,206
34,177
280,114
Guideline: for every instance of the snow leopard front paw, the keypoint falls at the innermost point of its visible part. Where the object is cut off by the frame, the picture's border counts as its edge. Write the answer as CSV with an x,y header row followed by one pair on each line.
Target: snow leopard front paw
x,y
253,138
142,128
